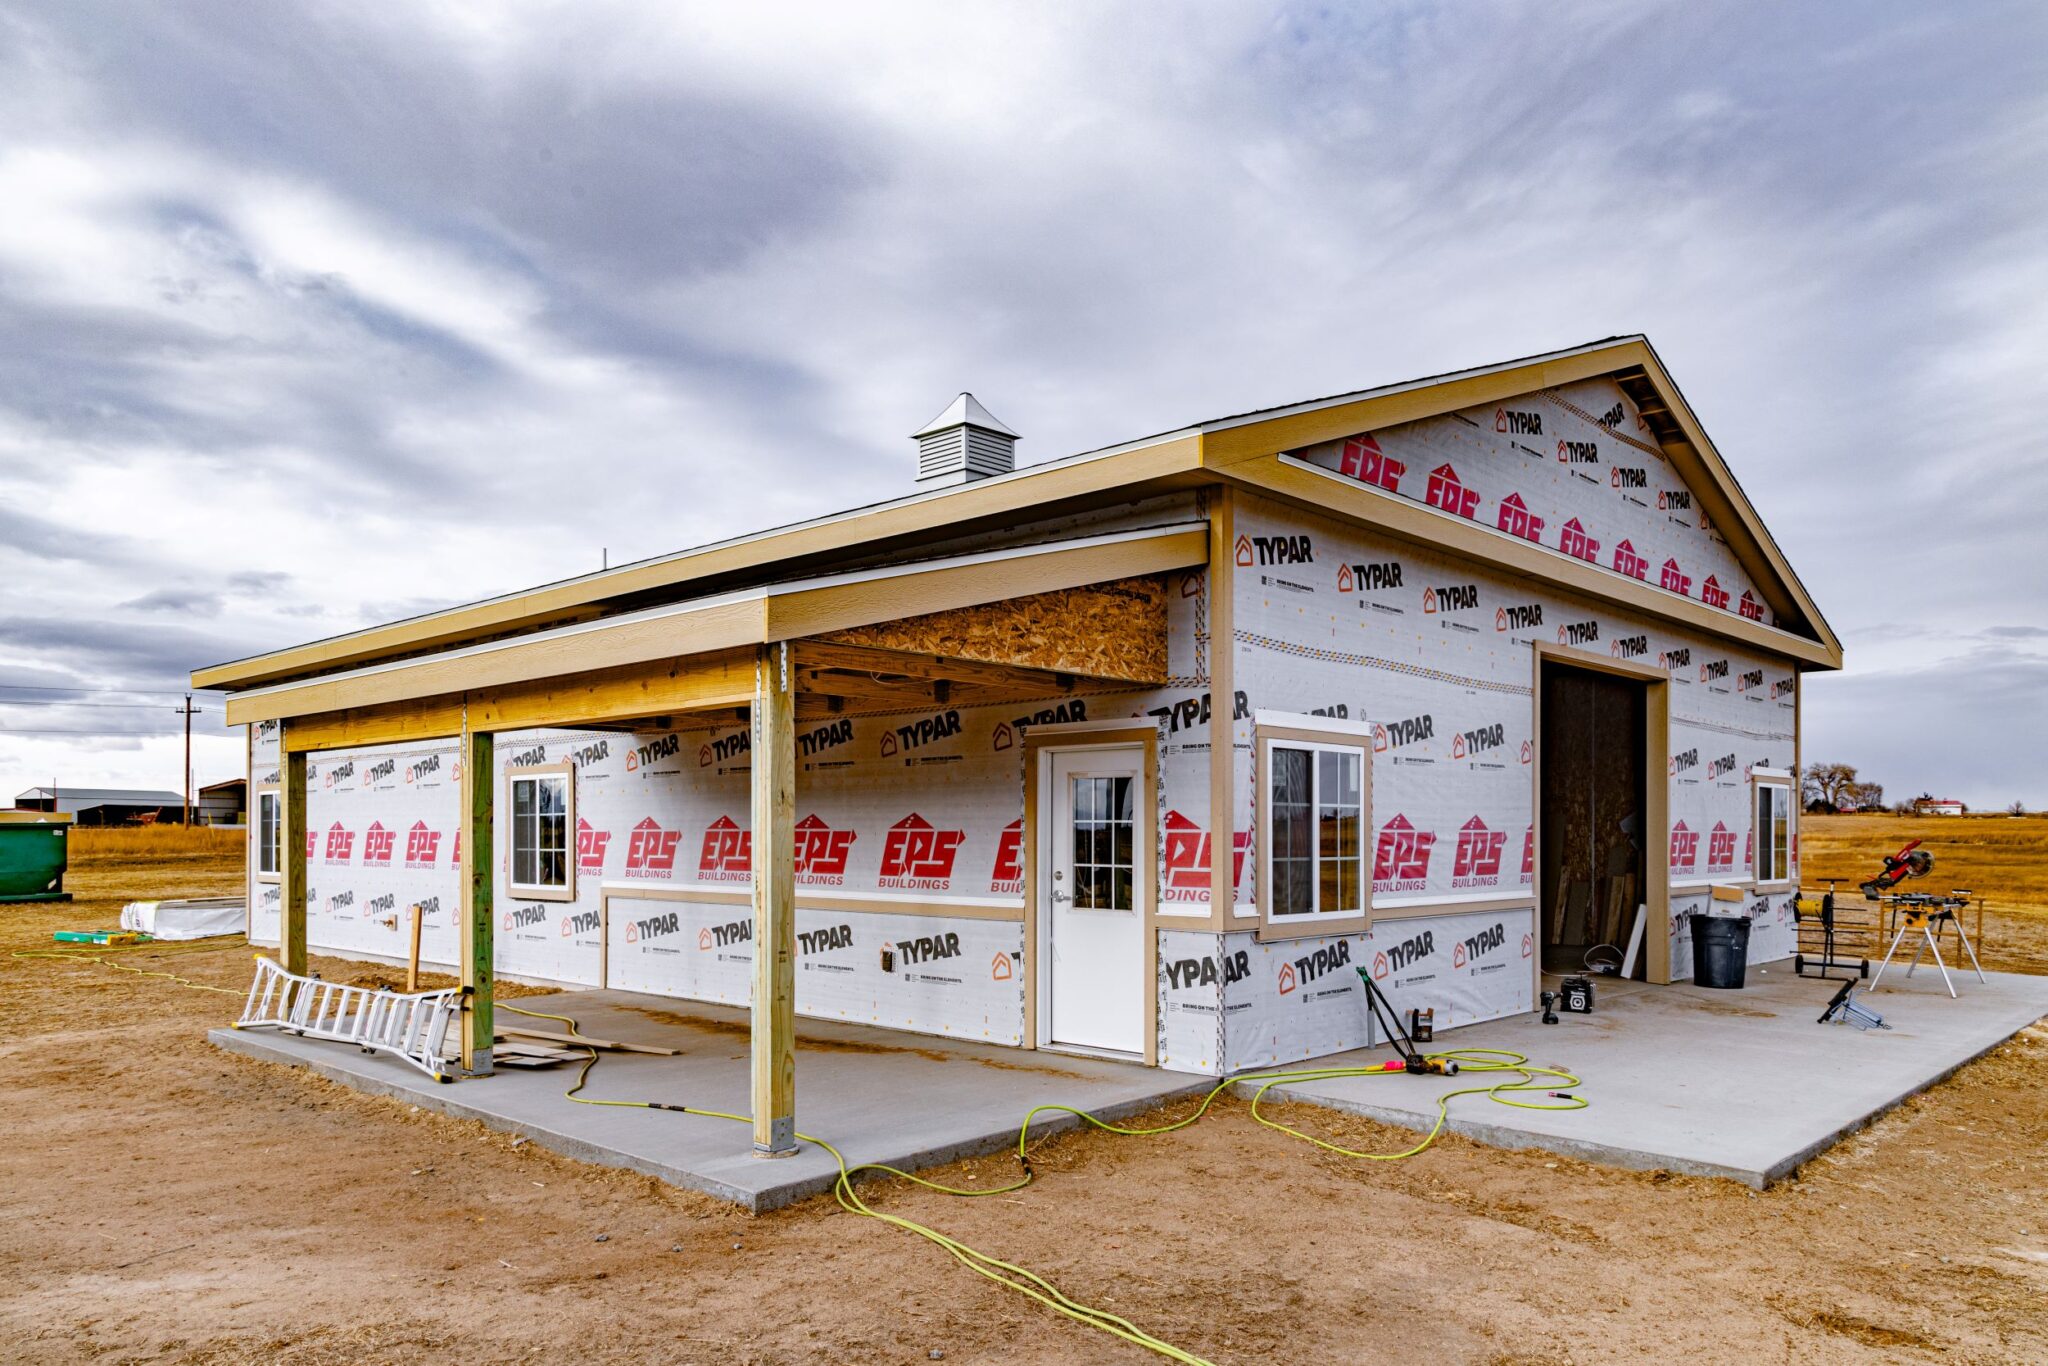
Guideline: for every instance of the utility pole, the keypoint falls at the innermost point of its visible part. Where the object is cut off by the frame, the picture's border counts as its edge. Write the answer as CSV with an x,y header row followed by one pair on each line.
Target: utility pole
x,y
186,711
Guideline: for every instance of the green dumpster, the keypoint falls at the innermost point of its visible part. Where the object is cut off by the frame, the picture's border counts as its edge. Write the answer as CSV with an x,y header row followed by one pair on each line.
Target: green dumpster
x,y
34,851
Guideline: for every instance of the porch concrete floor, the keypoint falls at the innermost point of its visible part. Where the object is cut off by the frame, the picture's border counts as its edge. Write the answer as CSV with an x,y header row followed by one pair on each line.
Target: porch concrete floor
x,y
879,1095
1739,1084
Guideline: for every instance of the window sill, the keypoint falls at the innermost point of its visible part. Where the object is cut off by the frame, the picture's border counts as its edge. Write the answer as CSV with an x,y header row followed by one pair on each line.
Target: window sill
x,y
1270,931
269,877
518,893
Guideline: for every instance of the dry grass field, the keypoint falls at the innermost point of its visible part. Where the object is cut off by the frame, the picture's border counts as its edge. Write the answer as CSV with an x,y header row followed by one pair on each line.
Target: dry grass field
x,y
163,1202
106,845
2002,859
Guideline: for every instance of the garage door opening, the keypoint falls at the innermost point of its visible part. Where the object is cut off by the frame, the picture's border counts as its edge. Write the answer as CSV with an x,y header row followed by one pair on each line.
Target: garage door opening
x,y
1595,817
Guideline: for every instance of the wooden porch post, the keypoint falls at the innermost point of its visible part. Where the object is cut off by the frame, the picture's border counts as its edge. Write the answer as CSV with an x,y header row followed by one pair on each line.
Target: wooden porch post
x,y
774,864
479,784
291,863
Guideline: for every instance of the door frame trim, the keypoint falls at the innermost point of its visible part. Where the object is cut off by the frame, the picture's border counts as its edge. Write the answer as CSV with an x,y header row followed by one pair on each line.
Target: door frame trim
x,y
1040,742
1656,797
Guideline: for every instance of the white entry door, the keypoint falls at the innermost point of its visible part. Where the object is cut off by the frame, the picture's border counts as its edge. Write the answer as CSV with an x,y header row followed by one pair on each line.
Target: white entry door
x,y
1093,898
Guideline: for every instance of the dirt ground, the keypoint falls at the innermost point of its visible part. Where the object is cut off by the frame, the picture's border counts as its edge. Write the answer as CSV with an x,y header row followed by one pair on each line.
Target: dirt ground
x,y
161,1201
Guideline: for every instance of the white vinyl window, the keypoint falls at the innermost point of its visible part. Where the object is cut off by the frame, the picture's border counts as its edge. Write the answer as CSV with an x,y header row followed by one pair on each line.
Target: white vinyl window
x,y
542,809
1773,827
269,832
1312,805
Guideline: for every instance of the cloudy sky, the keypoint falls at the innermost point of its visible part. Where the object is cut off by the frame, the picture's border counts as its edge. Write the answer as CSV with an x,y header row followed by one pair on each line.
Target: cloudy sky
x,y
314,316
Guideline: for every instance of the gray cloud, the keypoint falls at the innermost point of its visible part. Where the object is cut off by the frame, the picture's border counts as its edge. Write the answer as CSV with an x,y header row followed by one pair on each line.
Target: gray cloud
x,y
341,313
184,601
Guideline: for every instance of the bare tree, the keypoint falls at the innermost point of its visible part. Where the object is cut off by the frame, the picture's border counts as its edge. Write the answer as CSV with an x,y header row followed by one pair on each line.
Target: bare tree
x,y
1825,784
2016,809
1863,797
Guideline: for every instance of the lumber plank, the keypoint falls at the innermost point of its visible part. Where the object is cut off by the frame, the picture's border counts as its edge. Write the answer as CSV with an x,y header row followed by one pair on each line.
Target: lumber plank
x,y
773,1036
585,1041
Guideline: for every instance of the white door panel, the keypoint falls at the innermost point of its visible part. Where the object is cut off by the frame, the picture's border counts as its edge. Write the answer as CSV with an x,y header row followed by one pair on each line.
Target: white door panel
x,y
1094,894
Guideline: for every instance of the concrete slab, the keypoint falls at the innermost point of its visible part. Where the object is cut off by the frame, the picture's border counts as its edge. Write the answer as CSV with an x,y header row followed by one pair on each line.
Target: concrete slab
x,y
879,1095
1739,1084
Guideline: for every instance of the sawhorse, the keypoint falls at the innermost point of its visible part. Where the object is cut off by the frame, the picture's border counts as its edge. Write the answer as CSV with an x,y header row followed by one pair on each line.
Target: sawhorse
x,y
1927,916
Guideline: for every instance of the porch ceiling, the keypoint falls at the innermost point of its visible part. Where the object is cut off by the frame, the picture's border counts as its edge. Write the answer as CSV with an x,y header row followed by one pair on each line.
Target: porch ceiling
x,y
835,679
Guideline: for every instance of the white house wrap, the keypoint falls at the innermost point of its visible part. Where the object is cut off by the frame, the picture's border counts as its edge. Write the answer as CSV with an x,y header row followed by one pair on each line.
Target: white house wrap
x,y
1527,605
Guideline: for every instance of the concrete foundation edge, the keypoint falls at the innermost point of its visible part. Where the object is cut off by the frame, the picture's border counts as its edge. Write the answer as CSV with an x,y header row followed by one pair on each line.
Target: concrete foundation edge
x,y
1632,1159
443,1100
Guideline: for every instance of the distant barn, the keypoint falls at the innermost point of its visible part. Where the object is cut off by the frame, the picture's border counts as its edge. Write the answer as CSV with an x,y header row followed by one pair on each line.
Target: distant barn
x,y
105,805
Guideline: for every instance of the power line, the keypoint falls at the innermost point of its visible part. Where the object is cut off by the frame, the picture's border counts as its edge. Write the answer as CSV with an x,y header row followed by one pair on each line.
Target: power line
x,y
67,702
6,731
52,687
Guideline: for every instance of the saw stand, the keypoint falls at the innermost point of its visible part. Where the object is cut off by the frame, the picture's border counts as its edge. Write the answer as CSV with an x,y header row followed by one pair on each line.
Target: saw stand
x,y
1927,915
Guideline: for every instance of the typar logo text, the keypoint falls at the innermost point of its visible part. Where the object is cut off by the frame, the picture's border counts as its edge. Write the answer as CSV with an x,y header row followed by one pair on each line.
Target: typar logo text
x,y
1271,550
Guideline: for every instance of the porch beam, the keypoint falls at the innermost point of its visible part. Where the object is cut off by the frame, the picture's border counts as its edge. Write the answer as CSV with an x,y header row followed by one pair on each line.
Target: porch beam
x,y
817,656
706,682
647,693
773,1037
479,984
382,725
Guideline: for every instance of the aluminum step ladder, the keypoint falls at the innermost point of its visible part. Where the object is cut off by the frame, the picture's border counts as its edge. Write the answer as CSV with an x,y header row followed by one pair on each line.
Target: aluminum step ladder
x,y
410,1026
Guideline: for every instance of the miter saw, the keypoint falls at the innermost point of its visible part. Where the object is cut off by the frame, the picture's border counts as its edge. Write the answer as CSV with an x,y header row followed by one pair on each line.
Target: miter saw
x,y
1911,861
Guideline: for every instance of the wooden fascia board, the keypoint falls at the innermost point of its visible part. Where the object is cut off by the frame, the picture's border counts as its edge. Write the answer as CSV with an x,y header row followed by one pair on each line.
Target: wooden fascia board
x,y
660,688
1715,476
1226,446
864,601
1429,528
1007,497
717,625
793,611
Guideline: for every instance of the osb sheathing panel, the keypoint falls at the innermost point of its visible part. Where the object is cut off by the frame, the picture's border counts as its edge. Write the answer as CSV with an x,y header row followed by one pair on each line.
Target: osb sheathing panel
x,y
1102,630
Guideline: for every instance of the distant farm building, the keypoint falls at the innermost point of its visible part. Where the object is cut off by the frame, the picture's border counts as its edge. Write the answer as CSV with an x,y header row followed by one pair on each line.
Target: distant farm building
x,y
104,805
222,803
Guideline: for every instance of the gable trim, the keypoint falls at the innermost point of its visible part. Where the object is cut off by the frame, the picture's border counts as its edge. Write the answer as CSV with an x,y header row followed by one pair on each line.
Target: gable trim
x,y
1252,445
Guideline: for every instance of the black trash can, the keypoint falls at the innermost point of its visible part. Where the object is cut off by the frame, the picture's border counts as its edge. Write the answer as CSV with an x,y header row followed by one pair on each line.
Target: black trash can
x,y
1720,950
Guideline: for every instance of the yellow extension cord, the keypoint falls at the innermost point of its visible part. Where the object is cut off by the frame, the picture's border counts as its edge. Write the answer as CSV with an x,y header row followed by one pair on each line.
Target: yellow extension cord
x,y
1037,1287
1004,1273
98,953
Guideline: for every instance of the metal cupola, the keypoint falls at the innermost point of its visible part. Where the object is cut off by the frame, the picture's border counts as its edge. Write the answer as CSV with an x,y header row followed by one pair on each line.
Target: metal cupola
x,y
964,443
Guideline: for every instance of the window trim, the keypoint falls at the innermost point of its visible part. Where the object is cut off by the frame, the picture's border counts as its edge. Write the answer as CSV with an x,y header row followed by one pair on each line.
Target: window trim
x,y
273,792
1783,879
1303,731
527,891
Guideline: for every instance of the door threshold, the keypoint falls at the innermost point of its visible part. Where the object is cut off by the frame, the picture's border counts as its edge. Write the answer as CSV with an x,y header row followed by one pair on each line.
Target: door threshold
x,y
1083,1050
